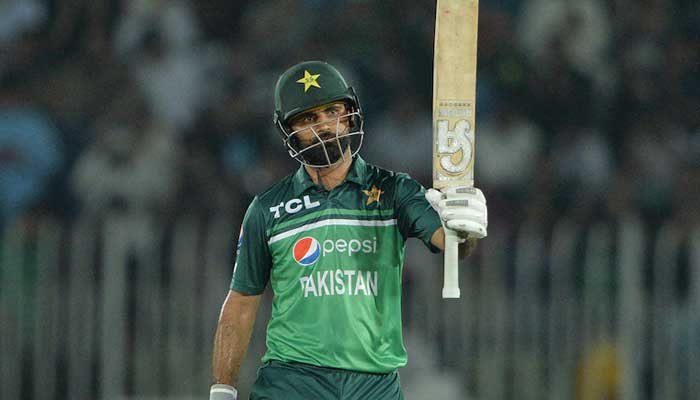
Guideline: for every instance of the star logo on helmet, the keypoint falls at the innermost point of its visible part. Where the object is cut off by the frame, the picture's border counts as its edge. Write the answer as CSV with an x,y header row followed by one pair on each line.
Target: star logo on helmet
x,y
309,80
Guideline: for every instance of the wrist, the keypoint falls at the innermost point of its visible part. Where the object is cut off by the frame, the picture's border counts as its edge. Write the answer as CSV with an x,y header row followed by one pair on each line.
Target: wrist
x,y
220,391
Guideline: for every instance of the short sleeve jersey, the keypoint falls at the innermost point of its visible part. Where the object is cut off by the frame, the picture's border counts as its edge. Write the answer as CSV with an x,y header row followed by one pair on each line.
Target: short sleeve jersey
x,y
334,261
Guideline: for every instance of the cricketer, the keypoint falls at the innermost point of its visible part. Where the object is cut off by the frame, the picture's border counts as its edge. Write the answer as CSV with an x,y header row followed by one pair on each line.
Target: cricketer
x,y
329,239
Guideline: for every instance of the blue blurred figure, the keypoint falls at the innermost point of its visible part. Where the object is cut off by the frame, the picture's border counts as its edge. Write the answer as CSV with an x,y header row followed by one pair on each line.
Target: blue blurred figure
x,y
30,150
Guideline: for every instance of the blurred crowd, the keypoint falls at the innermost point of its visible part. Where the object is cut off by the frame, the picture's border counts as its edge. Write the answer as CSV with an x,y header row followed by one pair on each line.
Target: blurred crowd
x,y
156,108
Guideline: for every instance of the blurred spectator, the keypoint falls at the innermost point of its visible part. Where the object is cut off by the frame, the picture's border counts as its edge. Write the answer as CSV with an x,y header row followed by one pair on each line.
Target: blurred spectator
x,y
239,152
132,167
651,161
30,151
160,41
19,21
509,149
201,191
650,21
582,26
683,57
686,144
171,19
558,95
18,17
80,26
220,20
287,43
583,158
600,373
684,198
583,166
400,139
501,68
642,63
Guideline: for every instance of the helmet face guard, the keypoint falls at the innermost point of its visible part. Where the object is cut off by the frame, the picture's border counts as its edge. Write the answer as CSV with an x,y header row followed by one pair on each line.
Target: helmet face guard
x,y
304,87
326,148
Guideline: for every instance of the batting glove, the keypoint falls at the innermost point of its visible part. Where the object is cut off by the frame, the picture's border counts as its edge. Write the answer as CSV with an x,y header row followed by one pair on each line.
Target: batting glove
x,y
220,391
461,209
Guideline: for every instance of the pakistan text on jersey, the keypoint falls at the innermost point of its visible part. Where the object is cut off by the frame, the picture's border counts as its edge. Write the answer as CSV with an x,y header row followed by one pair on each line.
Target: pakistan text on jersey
x,y
340,283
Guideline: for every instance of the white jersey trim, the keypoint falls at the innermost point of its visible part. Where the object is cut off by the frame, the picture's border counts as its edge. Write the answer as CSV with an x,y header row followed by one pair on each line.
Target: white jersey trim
x,y
319,224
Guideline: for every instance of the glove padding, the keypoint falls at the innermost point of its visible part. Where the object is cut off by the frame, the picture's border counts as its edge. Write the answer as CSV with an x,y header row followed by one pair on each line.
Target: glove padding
x,y
219,391
461,209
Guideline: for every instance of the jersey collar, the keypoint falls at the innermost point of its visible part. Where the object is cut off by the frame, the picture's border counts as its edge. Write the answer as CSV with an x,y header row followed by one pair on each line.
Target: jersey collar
x,y
357,174
358,171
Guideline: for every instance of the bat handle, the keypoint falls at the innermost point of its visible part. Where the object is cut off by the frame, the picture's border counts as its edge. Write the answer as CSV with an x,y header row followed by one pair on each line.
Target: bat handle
x,y
450,287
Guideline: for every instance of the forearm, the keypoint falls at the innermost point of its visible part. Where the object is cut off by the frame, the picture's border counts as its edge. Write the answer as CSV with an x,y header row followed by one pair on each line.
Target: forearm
x,y
467,248
233,336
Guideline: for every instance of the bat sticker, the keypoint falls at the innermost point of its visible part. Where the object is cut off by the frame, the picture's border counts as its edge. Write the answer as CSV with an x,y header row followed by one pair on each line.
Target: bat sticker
x,y
454,146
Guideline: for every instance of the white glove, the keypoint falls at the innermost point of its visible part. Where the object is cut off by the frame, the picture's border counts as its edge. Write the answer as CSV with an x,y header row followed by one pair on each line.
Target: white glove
x,y
461,209
219,391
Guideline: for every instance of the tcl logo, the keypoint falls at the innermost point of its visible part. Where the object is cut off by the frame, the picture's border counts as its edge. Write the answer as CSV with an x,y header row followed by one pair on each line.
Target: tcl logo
x,y
293,206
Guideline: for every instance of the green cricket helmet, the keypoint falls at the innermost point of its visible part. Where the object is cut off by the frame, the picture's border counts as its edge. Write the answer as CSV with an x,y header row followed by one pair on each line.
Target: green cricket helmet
x,y
309,85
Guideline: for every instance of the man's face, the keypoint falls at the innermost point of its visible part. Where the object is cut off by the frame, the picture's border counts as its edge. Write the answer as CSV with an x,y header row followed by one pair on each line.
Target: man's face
x,y
323,131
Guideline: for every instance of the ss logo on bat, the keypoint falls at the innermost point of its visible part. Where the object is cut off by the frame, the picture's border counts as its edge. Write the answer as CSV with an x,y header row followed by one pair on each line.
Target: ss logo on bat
x,y
452,142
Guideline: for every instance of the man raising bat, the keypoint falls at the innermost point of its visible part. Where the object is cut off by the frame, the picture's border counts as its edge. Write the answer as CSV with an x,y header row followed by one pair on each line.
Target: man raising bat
x,y
329,239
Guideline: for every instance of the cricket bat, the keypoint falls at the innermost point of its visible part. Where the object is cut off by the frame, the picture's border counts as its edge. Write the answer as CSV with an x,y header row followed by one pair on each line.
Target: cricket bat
x,y
454,93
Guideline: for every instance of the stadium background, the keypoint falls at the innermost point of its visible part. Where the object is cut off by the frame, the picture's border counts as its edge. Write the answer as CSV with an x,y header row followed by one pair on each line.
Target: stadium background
x,y
134,133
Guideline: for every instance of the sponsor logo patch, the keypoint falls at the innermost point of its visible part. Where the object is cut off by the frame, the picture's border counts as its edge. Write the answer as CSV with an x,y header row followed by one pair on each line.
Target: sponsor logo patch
x,y
306,251
293,206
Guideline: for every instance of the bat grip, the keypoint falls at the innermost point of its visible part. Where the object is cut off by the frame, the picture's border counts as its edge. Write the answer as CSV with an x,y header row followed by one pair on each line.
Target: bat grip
x,y
450,287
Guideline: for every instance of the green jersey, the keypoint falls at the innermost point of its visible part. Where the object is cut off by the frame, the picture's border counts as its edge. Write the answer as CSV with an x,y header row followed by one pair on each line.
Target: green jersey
x,y
334,261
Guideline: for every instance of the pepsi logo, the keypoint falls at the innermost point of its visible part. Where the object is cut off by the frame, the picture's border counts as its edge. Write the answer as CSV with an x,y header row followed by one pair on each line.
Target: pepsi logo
x,y
306,251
